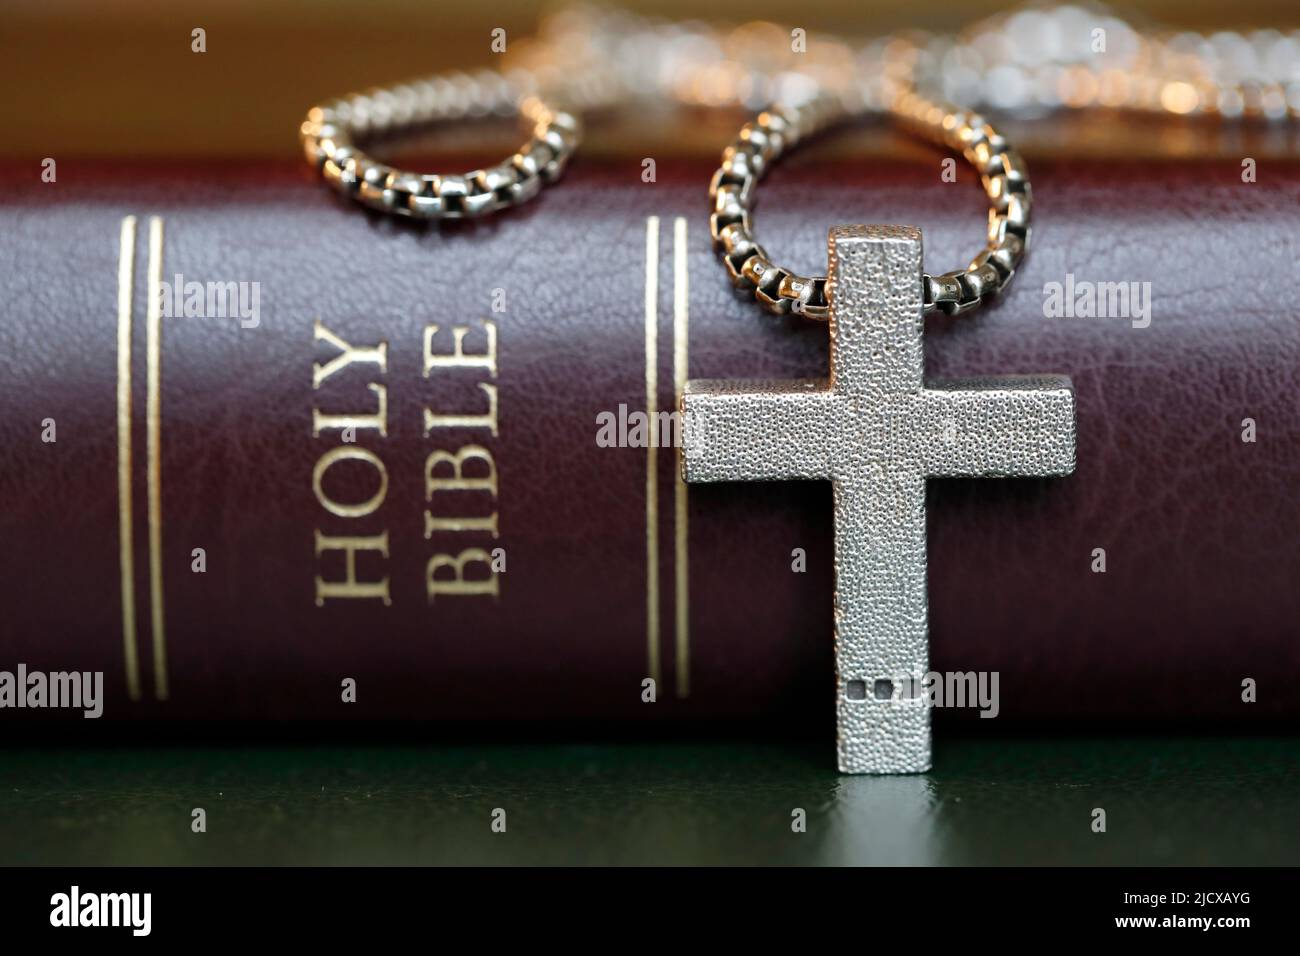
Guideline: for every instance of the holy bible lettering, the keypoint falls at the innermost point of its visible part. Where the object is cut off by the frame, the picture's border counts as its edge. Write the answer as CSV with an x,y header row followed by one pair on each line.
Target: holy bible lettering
x,y
464,474
351,428
457,474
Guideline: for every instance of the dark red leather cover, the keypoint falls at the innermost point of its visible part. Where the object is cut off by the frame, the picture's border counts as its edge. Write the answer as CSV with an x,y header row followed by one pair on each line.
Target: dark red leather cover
x,y
1201,530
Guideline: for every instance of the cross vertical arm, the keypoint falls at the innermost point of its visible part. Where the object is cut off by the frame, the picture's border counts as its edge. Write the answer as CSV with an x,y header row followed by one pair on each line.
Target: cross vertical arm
x,y
881,628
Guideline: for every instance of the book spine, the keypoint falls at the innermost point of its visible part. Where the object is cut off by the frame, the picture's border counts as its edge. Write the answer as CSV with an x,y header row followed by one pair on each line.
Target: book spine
x,y
342,467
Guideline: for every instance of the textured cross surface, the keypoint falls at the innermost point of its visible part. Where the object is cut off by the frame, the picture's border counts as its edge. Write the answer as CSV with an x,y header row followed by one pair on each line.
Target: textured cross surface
x,y
876,429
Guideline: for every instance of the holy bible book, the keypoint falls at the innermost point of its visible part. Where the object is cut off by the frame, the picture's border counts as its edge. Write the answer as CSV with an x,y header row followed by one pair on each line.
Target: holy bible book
x,y
337,467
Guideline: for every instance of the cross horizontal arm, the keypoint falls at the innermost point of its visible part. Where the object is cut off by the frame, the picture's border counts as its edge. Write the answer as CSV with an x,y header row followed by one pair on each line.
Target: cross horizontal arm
x,y
756,430
1015,426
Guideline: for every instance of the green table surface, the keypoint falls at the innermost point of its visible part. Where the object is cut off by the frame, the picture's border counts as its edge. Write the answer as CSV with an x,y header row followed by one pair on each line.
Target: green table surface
x,y
1187,801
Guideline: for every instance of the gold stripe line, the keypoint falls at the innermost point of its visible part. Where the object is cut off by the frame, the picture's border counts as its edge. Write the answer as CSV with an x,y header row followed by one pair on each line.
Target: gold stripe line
x,y
125,534
651,476
681,587
153,422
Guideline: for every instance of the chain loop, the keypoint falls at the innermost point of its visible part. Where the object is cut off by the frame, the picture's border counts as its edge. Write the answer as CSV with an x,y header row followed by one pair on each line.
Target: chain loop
x,y
765,139
330,134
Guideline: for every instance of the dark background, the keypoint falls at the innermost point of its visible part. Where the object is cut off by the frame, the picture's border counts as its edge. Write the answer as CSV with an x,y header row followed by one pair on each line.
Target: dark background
x,y
86,77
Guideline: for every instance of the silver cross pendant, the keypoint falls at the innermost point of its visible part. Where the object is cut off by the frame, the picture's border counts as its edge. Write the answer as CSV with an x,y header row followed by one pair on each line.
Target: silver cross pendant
x,y
876,429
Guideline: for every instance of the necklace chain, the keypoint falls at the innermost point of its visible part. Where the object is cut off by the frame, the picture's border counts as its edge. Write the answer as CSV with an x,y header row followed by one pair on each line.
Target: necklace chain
x,y
582,60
